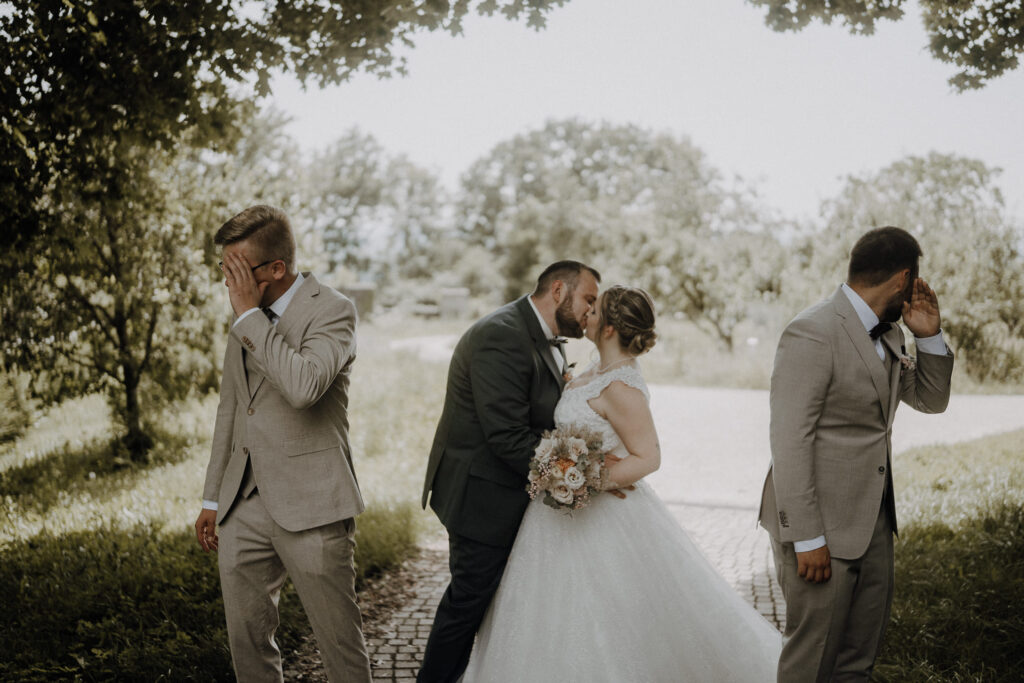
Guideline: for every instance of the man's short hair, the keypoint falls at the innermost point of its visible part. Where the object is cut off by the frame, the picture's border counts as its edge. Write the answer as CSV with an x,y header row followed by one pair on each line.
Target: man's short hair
x,y
881,253
566,271
267,228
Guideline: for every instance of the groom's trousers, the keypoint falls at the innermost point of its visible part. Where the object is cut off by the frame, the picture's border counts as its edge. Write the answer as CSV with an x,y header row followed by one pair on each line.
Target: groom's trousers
x,y
834,629
255,556
476,570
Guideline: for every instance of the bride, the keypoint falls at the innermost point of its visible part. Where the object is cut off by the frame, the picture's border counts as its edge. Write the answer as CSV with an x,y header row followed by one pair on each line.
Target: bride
x,y
617,591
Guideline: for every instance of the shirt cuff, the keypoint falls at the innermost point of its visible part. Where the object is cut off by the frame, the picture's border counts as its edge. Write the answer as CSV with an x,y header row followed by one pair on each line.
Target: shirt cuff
x,y
934,345
246,314
209,504
813,544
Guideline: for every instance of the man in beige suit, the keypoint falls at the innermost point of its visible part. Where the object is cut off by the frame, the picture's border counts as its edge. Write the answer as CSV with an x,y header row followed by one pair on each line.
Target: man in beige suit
x,y
841,369
280,482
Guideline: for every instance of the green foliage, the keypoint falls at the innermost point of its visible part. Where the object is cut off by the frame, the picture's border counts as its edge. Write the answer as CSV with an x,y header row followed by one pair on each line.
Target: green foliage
x,y
956,615
138,603
983,39
80,78
385,535
120,296
112,604
972,252
645,208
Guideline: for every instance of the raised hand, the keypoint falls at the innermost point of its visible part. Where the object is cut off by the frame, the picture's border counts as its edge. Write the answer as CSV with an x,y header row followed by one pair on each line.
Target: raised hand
x,y
243,289
921,313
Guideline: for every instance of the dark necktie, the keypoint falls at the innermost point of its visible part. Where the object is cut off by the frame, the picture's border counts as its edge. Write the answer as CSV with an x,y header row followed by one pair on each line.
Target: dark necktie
x,y
271,316
879,329
559,343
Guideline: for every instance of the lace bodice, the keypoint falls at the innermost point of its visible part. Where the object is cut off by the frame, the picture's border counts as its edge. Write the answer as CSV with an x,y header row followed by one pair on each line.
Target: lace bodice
x,y
573,407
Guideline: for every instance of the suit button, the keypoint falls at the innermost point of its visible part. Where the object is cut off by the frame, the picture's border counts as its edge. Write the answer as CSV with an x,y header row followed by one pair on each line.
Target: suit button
x,y
252,411
881,469
245,450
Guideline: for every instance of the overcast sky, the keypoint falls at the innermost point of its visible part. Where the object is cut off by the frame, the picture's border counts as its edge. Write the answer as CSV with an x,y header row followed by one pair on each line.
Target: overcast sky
x,y
791,112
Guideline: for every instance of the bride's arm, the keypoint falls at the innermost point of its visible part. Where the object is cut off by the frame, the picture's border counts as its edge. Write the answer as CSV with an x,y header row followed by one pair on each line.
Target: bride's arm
x,y
626,408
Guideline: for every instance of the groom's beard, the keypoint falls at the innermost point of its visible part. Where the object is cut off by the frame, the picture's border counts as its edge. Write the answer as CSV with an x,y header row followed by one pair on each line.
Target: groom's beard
x,y
894,310
568,326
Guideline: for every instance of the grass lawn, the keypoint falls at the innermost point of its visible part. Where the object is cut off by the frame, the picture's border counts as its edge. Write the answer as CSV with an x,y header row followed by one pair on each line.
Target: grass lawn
x,y
958,613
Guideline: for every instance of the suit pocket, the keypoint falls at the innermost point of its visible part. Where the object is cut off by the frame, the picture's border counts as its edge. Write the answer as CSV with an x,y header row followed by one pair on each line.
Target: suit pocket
x,y
311,443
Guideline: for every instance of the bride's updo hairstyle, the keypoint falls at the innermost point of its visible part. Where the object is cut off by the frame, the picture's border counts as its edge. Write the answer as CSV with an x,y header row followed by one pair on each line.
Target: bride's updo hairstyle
x,y
630,312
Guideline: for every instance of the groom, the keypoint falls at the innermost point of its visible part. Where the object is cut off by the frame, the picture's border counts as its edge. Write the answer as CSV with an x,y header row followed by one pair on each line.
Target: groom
x,y
828,503
506,375
280,481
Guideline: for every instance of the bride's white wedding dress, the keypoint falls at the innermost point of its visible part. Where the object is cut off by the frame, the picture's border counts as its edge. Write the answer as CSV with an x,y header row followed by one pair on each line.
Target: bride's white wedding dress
x,y
616,592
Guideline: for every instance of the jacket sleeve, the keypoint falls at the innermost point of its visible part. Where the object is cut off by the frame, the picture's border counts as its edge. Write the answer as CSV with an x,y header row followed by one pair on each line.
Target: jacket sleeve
x,y
799,385
500,375
305,374
223,430
926,387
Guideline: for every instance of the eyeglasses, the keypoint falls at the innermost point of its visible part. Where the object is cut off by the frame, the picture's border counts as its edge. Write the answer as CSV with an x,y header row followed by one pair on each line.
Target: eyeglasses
x,y
220,264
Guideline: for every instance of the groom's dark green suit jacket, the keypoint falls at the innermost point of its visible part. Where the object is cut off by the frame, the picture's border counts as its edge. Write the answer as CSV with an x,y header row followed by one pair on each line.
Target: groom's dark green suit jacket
x,y
503,385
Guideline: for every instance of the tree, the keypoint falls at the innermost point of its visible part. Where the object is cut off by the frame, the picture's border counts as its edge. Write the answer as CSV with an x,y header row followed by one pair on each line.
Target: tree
x,y
118,297
81,78
972,252
645,208
983,38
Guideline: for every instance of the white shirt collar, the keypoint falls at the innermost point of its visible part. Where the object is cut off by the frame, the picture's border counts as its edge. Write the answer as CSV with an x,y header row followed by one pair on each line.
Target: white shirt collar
x,y
543,325
282,302
864,312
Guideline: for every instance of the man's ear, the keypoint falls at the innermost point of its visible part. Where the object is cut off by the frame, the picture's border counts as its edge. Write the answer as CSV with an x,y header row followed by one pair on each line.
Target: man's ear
x,y
557,291
278,270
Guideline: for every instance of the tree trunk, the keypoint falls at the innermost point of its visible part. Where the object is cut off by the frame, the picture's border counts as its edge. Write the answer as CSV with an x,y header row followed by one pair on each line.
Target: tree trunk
x,y
136,440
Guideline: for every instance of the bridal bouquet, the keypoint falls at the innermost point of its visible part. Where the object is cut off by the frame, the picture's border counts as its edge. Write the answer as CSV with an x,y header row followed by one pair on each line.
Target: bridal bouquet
x,y
567,468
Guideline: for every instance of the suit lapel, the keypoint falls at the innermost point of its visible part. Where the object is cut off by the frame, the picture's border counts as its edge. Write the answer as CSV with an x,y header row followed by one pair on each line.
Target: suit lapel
x,y
891,342
865,347
307,290
540,343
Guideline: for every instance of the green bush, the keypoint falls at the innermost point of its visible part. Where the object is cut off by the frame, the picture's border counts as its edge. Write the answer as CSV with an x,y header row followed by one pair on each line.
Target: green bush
x,y
385,536
957,612
140,604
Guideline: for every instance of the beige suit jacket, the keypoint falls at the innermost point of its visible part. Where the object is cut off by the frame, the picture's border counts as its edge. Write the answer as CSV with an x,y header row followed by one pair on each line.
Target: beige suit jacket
x,y
284,406
832,407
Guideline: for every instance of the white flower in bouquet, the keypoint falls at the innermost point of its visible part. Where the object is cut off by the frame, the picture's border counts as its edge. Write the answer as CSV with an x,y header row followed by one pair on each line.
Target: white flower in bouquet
x,y
577,448
543,453
562,494
574,478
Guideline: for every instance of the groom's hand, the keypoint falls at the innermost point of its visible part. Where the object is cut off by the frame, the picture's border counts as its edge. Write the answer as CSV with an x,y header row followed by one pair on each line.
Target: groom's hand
x,y
243,290
815,565
921,313
206,527
610,460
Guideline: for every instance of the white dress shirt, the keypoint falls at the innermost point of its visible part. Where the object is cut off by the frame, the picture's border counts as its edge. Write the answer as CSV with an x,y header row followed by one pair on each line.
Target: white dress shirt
x,y
934,345
555,353
277,308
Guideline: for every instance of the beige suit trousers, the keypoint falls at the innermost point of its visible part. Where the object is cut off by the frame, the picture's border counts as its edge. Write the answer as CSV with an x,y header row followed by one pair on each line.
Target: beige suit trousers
x,y
834,629
255,556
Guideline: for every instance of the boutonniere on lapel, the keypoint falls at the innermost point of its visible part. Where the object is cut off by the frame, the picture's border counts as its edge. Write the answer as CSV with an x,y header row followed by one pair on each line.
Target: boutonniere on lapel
x,y
906,362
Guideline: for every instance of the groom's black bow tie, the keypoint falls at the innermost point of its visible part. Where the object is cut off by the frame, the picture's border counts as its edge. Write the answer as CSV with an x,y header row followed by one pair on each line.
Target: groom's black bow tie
x,y
558,341
879,329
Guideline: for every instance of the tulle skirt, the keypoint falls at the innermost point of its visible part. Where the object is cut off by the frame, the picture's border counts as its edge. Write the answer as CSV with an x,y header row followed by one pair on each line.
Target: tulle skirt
x,y
617,592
